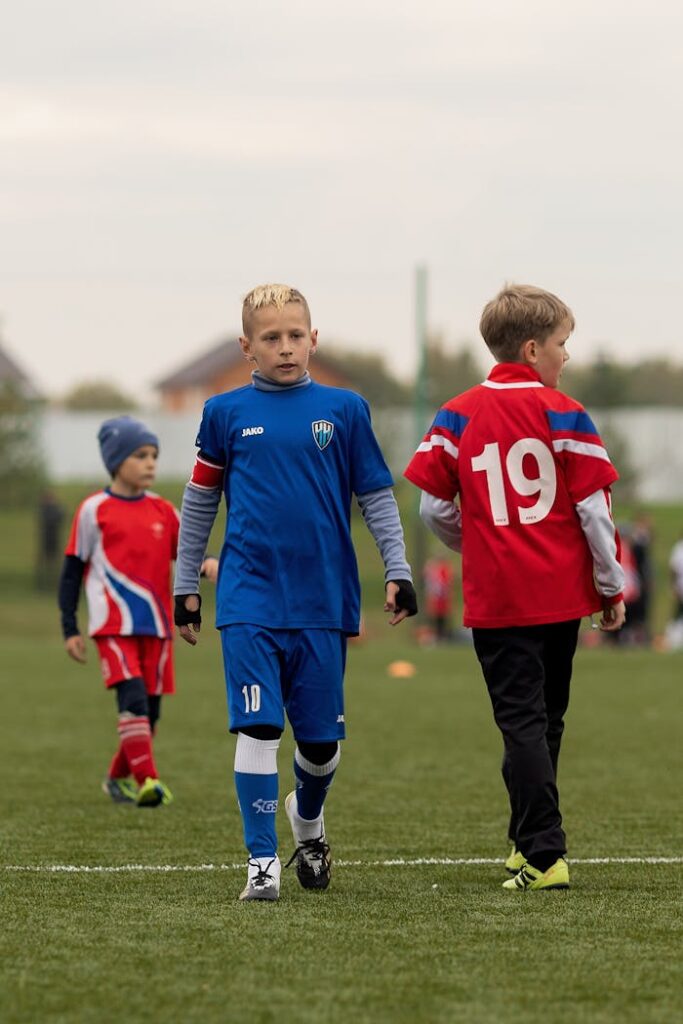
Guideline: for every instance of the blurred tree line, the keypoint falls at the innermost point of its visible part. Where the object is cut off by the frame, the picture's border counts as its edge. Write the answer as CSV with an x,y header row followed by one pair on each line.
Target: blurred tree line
x,y
98,396
606,384
603,383
22,471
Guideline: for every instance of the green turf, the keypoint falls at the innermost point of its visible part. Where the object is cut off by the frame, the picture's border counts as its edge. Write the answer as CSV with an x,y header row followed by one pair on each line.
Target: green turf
x,y
418,779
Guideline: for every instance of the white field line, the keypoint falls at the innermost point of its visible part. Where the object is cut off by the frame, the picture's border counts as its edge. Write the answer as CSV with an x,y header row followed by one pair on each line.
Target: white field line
x,y
398,862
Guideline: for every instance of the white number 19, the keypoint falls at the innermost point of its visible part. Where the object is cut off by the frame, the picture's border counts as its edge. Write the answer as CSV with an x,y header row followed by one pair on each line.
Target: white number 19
x,y
545,484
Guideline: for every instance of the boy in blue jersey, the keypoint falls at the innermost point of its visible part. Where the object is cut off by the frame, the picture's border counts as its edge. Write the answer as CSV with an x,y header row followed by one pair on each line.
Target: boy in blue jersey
x,y
288,454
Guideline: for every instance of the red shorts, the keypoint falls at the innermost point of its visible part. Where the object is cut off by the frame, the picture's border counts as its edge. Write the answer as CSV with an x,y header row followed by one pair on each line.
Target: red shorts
x,y
146,657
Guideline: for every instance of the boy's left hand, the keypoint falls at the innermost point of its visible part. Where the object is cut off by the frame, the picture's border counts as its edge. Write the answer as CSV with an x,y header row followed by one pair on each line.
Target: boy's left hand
x,y
401,599
188,617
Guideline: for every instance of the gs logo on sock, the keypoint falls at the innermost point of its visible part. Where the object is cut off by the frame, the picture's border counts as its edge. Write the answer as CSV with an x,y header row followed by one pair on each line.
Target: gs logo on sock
x,y
265,806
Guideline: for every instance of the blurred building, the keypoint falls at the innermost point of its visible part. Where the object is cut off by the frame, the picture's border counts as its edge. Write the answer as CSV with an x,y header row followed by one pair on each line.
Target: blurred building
x,y
223,368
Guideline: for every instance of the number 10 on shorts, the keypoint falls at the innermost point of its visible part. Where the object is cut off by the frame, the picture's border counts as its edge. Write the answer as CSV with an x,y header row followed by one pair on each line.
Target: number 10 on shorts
x,y
252,697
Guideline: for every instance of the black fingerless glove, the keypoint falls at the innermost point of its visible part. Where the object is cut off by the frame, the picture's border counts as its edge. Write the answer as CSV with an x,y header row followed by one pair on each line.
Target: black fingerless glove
x,y
406,598
183,617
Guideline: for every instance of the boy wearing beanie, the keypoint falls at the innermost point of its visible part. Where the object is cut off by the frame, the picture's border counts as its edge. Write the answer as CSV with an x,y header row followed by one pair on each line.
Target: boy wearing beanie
x,y
122,542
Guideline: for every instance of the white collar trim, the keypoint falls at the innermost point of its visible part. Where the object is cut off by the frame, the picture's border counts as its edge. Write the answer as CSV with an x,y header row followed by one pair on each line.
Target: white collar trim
x,y
517,384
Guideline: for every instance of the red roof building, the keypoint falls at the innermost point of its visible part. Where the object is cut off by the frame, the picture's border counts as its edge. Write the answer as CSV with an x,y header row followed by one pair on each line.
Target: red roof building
x,y
223,368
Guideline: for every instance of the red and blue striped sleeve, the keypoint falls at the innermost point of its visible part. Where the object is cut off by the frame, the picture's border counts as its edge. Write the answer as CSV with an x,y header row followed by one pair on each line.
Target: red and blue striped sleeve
x,y
580,452
434,466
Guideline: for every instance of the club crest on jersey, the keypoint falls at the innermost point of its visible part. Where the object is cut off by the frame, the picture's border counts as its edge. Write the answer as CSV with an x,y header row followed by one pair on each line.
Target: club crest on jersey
x,y
322,432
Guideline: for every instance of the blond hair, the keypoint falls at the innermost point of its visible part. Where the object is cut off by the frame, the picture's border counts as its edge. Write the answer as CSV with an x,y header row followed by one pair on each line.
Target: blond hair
x,y
277,295
520,312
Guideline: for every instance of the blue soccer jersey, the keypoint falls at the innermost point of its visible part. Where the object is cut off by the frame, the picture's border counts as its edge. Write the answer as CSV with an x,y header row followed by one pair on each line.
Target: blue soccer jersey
x,y
293,459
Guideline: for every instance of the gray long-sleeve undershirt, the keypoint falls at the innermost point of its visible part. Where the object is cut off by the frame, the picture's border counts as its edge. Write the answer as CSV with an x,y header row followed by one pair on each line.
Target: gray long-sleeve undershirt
x,y
197,516
598,529
443,518
381,515
200,506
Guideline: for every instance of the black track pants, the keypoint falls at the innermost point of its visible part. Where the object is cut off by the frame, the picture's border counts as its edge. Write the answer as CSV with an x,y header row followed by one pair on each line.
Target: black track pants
x,y
527,671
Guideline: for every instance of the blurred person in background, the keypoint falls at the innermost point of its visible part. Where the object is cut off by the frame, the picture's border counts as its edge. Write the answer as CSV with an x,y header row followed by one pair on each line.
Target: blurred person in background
x,y
439,581
50,519
676,570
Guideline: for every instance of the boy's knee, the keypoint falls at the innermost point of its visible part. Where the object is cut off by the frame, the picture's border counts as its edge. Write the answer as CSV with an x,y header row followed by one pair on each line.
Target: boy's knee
x,y
318,753
131,697
261,732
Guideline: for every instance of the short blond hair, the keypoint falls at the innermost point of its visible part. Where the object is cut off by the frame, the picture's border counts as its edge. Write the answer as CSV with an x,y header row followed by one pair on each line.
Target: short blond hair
x,y
277,295
520,312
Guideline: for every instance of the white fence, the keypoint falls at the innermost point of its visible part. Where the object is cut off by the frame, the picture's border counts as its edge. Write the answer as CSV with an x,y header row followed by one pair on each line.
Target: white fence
x,y
71,452
652,438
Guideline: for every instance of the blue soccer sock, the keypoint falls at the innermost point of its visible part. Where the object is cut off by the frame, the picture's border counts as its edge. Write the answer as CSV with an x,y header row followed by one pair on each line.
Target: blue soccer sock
x,y
312,784
256,782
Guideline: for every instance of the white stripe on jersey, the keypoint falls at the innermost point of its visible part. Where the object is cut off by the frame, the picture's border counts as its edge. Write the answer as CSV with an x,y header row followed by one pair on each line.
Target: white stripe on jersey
x,y
568,444
98,588
439,440
88,531
517,384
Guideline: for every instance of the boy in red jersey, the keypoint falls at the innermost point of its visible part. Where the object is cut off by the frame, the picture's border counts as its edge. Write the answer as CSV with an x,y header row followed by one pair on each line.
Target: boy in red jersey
x,y
539,550
122,542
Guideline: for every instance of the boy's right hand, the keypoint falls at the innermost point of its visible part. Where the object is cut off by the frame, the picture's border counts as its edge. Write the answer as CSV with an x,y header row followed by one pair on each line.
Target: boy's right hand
x,y
75,648
187,614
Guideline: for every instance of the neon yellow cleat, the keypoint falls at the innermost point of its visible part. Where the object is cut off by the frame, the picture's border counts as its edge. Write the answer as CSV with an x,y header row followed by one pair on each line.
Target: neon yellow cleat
x,y
515,861
153,792
530,879
121,791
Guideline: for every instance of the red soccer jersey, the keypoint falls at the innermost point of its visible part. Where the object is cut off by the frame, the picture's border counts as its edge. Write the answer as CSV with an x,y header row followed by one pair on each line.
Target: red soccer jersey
x,y
520,456
128,545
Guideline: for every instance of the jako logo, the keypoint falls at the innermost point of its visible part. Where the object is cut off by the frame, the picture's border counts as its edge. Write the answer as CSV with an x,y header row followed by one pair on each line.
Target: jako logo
x,y
249,431
265,806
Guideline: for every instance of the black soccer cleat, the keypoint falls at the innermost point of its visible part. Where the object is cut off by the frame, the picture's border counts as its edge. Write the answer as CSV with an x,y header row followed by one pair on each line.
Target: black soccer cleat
x,y
312,856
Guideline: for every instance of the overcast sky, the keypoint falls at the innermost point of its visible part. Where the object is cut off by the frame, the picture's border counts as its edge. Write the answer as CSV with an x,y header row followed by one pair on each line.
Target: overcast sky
x,y
158,159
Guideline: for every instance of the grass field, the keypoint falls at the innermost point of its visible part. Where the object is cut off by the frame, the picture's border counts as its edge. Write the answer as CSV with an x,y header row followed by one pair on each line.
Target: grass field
x,y
163,938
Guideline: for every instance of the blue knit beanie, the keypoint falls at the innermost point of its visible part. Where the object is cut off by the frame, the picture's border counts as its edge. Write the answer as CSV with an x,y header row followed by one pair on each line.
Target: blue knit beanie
x,y
120,437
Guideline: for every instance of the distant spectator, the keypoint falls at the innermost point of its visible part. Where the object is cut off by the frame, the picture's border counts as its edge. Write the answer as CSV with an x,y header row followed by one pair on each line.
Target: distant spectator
x,y
676,567
439,576
49,547
638,614
629,634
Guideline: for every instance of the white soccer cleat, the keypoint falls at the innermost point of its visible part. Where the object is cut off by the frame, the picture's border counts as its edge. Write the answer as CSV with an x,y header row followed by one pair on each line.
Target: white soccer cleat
x,y
263,879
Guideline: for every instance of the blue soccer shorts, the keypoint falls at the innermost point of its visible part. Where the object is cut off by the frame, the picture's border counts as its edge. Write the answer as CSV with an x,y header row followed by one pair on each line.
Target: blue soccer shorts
x,y
298,671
